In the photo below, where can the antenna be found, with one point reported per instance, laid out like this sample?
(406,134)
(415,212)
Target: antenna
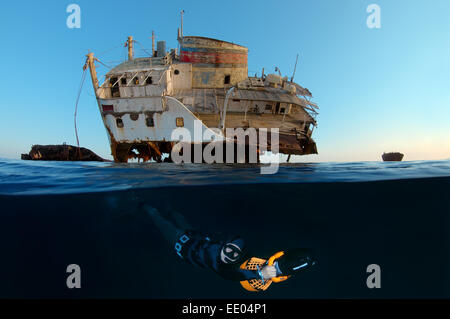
(153,43)
(295,68)
(182,12)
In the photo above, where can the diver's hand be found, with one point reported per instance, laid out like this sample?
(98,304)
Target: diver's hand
(268,272)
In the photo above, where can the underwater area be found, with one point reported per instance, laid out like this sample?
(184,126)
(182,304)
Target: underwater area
(350,215)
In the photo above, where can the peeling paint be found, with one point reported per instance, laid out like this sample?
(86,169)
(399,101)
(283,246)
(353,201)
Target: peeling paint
(143,100)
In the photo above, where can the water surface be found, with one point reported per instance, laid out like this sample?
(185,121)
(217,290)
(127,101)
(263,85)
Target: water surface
(350,214)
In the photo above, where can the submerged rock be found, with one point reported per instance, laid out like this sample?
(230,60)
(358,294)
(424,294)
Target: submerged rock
(61,153)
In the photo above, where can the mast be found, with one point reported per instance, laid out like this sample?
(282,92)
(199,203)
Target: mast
(90,63)
(295,68)
(153,43)
(182,12)
(130,48)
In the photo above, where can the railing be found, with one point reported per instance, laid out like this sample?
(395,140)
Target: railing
(136,91)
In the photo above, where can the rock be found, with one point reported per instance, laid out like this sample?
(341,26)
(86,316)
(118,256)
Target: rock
(392,157)
(61,153)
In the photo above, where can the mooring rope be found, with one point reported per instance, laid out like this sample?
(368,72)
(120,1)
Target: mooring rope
(83,77)
(106,66)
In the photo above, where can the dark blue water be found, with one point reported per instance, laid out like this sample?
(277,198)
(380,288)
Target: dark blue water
(351,215)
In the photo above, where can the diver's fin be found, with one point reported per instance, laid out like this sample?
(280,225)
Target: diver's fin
(255,263)
(180,220)
(254,284)
(168,229)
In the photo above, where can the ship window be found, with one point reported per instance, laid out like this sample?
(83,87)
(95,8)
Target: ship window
(115,91)
(134,116)
(149,121)
(227,79)
(282,110)
(268,107)
(149,80)
(176,71)
(119,122)
(123,81)
(115,87)
(180,122)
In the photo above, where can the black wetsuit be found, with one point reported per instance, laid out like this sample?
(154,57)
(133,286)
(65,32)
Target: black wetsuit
(222,254)
(211,252)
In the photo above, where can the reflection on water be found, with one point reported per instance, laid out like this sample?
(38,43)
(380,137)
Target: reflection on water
(35,177)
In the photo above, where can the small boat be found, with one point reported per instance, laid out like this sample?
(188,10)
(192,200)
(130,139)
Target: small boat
(392,157)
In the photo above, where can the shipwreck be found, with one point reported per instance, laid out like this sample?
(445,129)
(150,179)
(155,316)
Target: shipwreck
(62,152)
(142,100)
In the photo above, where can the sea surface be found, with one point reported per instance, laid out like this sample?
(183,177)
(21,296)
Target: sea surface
(351,215)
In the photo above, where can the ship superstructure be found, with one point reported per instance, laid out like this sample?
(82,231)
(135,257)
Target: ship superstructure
(142,100)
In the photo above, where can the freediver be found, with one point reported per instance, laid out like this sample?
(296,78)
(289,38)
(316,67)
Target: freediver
(227,255)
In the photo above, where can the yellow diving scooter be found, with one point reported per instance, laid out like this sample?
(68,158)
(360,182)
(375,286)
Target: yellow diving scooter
(287,263)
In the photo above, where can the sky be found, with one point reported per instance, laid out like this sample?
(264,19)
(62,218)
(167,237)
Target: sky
(378,89)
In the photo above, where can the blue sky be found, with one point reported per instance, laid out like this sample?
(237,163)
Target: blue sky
(378,89)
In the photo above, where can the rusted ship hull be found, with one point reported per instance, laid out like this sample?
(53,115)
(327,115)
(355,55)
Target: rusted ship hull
(151,150)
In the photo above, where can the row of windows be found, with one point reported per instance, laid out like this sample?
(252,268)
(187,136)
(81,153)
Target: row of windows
(123,81)
(278,109)
(179,121)
(149,80)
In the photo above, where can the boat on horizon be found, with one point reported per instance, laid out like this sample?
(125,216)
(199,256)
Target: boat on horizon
(392,157)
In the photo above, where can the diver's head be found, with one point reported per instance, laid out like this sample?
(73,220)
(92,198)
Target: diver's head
(232,251)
